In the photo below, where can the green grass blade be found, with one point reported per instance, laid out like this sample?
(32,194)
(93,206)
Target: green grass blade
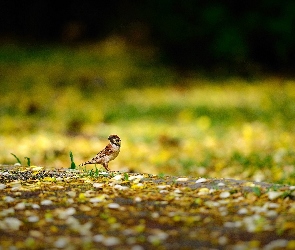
(73,165)
(28,161)
(18,160)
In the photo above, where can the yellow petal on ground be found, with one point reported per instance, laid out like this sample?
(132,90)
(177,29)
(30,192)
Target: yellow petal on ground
(137,186)
(50,179)
(249,184)
(203,191)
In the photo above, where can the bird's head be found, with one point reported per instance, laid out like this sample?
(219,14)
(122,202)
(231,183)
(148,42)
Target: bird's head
(114,139)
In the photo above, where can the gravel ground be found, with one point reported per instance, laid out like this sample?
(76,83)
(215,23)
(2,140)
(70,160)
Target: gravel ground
(43,208)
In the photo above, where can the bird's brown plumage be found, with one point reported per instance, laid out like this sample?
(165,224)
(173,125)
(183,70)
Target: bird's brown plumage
(109,153)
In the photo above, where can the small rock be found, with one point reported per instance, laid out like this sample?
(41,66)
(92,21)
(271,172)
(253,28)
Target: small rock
(46,202)
(117,177)
(243,211)
(61,242)
(221,184)
(182,179)
(97,199)
(64,214)
(111,241)
(224,195)
(33,218)
(120,187)
(272,195)
(7,211)
(36,234)
(98,238)
(177,191)
(8,199)
(72,193)
(276,244)
(98,185)
(163,186)
(35,206)
(137,247)
(222,240)
(12,223)
(201,180)
(114,206)
(20,206)
(84,208)
(137,199)
(273,205)
(135,177)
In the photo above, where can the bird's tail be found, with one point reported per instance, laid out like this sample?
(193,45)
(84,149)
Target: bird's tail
(94,160)
(88,162)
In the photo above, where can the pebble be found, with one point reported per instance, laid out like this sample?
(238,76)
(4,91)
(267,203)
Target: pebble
(222,240)
(120,187)
(177,191)
(72,193)
(114,206)
(201,180)
(220,184)
(36,234)
(272,195)
(117,177)
(163,186)
(243,211)
(111,241)
(273,205)
(35,206)
(135,177)
(224,195)
(46,202)
(98,238)
(61,242)
(33,218)
(64,214)
(137,199)
(97,199)
(275,244)
(137,247)
(20,206)
(182,179)
(98,185)
(7,211)
(8,199)
(11,223)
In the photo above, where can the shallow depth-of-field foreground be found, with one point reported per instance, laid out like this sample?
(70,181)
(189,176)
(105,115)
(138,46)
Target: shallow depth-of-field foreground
(70,209)
(55,101)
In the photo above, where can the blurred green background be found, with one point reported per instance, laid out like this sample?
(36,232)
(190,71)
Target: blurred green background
(192,88)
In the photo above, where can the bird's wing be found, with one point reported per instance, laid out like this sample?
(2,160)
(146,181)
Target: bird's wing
(106,151)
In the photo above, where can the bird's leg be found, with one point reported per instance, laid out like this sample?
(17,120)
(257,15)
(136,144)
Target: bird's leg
(106,166)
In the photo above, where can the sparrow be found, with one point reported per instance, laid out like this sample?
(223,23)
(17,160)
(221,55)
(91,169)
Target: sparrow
(109,153)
